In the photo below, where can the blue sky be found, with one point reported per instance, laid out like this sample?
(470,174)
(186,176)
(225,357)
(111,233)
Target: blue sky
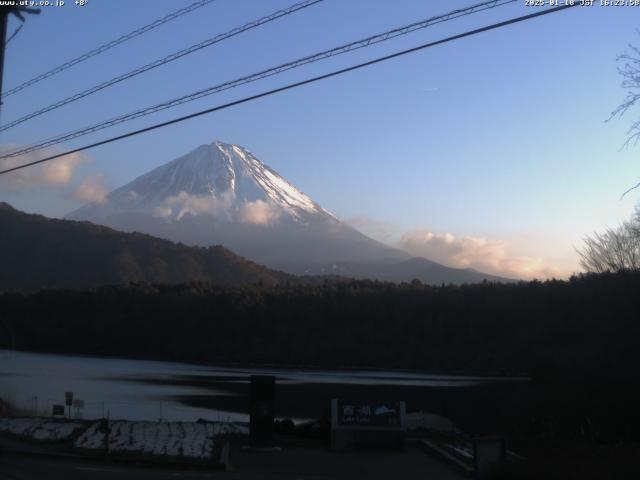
(493,145)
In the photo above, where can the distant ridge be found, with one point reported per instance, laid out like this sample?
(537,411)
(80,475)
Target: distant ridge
(39,252)
(416,268)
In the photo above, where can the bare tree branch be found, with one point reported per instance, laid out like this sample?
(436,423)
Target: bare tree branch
(614,250)
(629,70)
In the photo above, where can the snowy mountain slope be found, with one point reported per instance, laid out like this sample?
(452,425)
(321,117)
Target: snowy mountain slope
(215,175)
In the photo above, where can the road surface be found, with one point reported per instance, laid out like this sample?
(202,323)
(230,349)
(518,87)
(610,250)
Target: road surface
(290,464)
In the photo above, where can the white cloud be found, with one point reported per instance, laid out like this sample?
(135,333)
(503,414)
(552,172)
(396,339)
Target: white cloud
(58,172)
(177,206)
(259,212)
(132,195)
(91,189)
(487,255)
(162,212)
(186,204)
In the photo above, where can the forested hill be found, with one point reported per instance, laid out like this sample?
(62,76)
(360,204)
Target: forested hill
(39,252)
(588,325)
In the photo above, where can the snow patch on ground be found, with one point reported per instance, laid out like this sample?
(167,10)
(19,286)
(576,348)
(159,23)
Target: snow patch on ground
(464,452)
(40,428)
(175,439)
(430,421)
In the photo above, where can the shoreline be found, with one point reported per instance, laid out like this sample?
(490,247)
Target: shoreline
(471,374)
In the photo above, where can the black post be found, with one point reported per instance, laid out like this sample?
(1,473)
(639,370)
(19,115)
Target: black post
(4,18)
(262,410)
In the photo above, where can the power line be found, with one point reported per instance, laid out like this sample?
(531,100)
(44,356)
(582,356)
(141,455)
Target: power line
(298,84)
(162,61)
(366,42)
(109,45)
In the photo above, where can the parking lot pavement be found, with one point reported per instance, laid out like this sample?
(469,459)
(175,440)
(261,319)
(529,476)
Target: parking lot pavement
(320,463)
(290,463)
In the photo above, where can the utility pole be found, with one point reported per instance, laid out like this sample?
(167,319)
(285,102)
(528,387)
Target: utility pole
(4,20)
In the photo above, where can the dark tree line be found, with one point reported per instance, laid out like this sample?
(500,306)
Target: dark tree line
(518,327)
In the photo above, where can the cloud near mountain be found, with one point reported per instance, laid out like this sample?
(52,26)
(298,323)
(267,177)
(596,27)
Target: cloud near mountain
(488,255)
(60,176)
(177,206)
(56,173)
(92,188)
(259,212)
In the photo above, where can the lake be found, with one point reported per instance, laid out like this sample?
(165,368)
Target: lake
(152,390)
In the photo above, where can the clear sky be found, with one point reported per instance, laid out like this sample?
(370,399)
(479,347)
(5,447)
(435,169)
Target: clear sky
(491,151)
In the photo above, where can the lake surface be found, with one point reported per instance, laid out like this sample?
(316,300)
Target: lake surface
(150,390)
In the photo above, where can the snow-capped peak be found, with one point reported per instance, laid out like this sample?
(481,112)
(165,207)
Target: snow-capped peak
(220,179)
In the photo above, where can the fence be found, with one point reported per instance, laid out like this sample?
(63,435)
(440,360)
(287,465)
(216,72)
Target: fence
(21,404)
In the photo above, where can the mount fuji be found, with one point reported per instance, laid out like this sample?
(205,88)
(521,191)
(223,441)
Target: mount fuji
(221,194)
